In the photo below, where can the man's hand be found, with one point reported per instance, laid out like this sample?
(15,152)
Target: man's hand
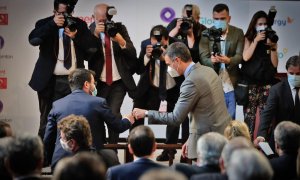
(223,59)
(184,150)
(70,33)
(59,19)
(100,27)
(149,50)
(129,117)
(120,40)
(258,140)
(214,59)
(138,113)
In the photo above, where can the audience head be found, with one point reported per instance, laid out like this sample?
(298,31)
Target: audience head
(163,32)
(237,128)
(258,20)
(141,141)
(25,156)
(5,129)
(84,165)
(62,6)
(195,11)
(249,164)
(287,136)
(162,174)
(232,145)
(100,13)
(221,16)
(83,79)
(209,148)
(75,133)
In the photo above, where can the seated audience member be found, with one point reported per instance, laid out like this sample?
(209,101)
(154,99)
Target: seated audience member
(4,144)
(162,174)
(232,145)
(237,128)
(75,137)
(209,149)
(287,136)
(5,129)
(83,166)
(81,101)
(249,164)
(25,157)
(142,145)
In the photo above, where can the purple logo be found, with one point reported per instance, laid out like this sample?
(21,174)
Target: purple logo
(1,42)
(167,14)
(1,106)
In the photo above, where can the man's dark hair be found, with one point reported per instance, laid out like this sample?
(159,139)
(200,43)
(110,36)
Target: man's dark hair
(78,77)
(25,155)
(141,140)
(3,129)
(178,49)
(70,3)
(293,61)
(163,30)
(220,7)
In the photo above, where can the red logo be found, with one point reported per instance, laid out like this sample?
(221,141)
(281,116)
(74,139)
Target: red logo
(3,19)
(3,83)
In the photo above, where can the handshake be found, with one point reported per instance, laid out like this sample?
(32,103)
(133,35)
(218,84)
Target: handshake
(135,115)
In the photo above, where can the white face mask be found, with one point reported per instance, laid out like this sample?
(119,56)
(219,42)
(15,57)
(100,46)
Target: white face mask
(65,145)
(261,28)
(173,73)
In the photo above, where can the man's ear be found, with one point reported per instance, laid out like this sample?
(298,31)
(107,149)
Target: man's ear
(130,149)
(229,18)
(154,147)
(222,165)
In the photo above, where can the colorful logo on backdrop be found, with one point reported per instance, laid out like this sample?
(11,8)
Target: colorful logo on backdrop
(1,42)
(1,106)
(167,14)
(206,21)
(282,53)
(3,83)
(3,19)
(283,22)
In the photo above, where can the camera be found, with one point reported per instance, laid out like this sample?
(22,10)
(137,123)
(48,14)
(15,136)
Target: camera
(270,33)
(214,34)
(187,21)
(111,26)
(157,51)
(69,20)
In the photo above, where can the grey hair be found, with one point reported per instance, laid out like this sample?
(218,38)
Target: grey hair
(287,136)
(178,49)
(209,148)
(249,164)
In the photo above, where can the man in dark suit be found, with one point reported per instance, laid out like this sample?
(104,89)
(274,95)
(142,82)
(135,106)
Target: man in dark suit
(209,149)
(62,49)
(157,85)
(114,62)
(226,61)
(81,101)
(287,138)
(141,143)
(282,103)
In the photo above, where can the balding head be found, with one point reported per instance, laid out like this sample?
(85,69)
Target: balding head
(100,12)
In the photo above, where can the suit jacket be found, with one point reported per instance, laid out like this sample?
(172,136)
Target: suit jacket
(202,97)
(210,176)
(131,171)
(144,82)
(125,58)
(234,50)
(279,107)
(284,167)
(190,170)
(45,35)
(94,109)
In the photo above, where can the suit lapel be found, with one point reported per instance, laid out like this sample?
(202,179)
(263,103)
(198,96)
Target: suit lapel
(288,92)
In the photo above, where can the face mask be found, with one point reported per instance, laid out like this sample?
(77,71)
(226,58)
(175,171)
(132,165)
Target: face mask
(220,24)
(294,80)
(94,92)
(172,72)
(65,146)
(261,28)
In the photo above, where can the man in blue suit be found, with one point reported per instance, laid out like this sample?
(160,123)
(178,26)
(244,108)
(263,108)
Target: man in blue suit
(82,101)
(142,145)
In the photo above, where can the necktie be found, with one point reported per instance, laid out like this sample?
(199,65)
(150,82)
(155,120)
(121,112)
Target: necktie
(297,106)
(108,60)
(67,51)
(162,80)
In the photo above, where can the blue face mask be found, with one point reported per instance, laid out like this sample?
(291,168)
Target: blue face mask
(94,92)
(294,80)
(220,24)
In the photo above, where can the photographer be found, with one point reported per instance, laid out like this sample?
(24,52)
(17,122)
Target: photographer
(63,42)
(188,29)
(158,88)
(230,43)
(114,62)
(259,66)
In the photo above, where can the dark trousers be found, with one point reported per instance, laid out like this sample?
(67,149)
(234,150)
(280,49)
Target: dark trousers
(58,87)
(151,101)
(114,95)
